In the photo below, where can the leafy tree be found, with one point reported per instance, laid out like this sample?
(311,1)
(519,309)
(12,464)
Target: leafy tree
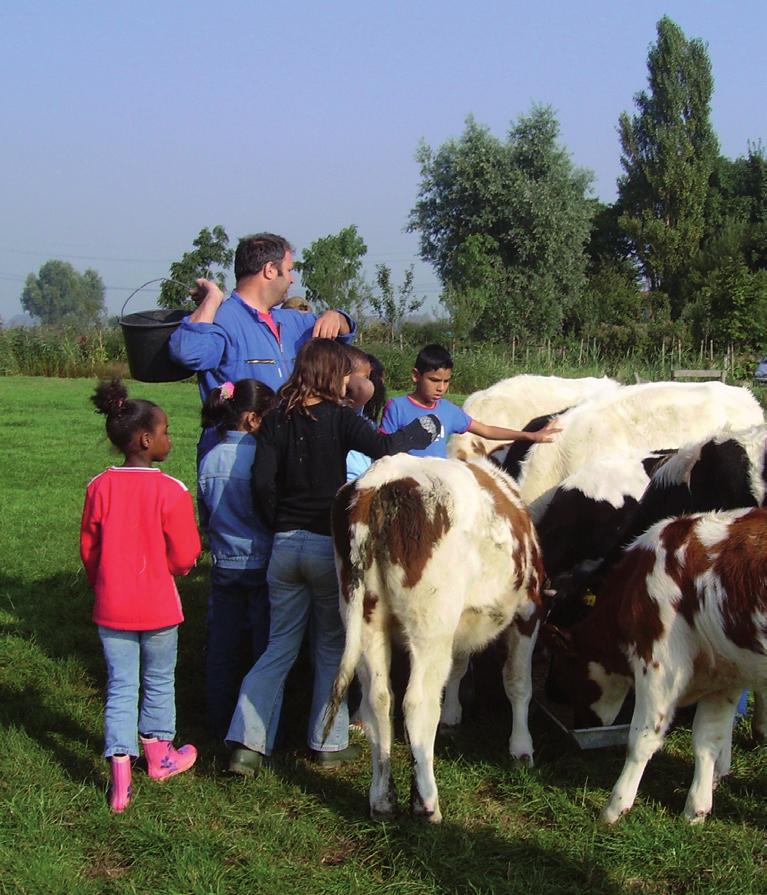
(525,195)
(669,151)
(731,306)
(331,271)
(477,280)
(392,304)
(210,251)
(612,296)
(60,295)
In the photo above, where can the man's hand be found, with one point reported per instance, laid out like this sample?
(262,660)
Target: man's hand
(329,325)
(209,299)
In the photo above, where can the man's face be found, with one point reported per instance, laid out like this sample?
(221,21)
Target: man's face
(283,279)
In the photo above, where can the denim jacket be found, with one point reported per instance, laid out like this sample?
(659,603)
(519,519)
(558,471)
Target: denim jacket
(238,537)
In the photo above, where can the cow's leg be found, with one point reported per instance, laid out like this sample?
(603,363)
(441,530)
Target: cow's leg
(518,681)
(451,713)
(759,719)
(429,667)
(376,711)
(652,715)
(712,745)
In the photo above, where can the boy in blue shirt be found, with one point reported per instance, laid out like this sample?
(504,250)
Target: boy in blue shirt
(432,374)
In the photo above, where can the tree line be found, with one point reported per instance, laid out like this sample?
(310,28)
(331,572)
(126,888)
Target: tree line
(522,248)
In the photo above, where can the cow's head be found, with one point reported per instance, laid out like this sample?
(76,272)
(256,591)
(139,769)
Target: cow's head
(580,678)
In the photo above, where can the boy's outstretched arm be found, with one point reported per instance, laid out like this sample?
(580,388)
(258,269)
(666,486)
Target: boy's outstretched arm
(498,433)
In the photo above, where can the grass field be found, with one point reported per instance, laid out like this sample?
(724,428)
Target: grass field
(295,828)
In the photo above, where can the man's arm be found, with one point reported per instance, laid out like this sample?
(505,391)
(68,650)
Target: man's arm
(331,324)
(210,299)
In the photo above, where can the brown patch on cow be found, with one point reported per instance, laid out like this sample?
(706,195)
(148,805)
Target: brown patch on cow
(339,526)
(656,665)
(625,615)
(686,558)
(741,565)
(403,529)
(504,506)
(360,511)
(369,603)
(522,532)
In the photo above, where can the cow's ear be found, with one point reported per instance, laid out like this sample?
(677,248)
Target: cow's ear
(557,639)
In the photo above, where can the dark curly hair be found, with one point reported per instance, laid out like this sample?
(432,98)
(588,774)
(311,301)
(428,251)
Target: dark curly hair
(125,416)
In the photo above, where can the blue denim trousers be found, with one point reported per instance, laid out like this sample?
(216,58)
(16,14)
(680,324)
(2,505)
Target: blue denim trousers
(146,659)
(303,591)
(238,615)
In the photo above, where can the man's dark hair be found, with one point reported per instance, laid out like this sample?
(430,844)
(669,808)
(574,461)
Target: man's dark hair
(254,252)
(433,357)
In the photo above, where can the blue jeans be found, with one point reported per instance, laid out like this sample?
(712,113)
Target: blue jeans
(148,659)
(303,588)
(238,609)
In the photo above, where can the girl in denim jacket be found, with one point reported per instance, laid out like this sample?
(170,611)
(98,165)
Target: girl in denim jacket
(240,545)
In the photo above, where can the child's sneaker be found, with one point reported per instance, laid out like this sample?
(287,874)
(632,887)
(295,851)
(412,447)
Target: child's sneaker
(163,761)
(119,792)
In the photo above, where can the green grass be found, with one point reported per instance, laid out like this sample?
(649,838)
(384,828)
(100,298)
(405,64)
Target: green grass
(296,828)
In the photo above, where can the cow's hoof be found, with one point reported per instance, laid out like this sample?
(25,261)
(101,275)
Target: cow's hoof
(698,818)
(429,817)
(610,815)
(382,814)
(522,761)
(447,731)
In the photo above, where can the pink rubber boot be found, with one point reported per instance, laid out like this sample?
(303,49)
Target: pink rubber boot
(163,761)
(119,786)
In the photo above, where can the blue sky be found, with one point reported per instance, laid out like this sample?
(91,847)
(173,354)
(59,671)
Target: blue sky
(127,130)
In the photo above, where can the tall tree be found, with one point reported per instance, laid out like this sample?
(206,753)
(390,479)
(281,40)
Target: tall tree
(59,295)
(525,196)
(210,258)
(668,154)
(331,271)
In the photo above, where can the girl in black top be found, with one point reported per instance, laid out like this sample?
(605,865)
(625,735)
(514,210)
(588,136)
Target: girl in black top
(300,464)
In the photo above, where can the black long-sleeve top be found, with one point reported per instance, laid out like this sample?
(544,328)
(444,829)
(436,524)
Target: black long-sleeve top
(301,460)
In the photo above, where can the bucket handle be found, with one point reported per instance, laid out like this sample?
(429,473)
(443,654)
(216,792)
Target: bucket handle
(149,283)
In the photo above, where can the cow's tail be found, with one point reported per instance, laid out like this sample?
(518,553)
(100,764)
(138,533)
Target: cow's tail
(353,646)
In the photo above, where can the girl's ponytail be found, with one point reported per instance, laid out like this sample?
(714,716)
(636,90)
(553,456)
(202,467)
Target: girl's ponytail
(225,405)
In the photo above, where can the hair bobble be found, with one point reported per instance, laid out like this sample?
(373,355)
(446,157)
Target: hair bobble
(226,390)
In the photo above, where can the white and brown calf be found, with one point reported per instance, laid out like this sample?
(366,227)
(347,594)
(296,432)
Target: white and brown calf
(682,618)
(441,554)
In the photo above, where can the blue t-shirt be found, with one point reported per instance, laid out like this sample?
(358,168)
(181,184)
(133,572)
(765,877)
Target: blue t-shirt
(400,411)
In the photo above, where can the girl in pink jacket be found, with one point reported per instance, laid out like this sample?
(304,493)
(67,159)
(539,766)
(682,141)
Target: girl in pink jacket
(138,531)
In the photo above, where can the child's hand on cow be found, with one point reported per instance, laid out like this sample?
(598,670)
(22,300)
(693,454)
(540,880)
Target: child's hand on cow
(546,433)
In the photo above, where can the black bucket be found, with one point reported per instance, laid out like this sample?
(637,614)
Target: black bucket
(146,335)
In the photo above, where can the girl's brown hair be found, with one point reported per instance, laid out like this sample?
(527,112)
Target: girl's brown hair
(319,371)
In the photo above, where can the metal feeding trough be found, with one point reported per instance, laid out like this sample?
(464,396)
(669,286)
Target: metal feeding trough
(585,737)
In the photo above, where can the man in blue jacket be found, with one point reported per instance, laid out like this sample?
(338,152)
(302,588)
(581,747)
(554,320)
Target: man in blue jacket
(245,336)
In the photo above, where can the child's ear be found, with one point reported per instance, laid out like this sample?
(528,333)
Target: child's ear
(145,439)
(252,421)
(415,375)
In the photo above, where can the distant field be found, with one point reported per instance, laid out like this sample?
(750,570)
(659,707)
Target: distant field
(296,828)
